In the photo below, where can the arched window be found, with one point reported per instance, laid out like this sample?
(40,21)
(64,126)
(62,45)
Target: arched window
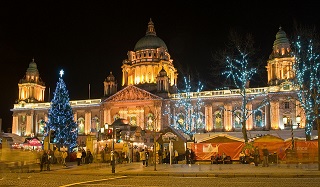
(181,120)
(200,121)
(258,119)
(81,122)
(41,127)
(133,120)
(95,124)
(237,118)
(217,120)
(150,120)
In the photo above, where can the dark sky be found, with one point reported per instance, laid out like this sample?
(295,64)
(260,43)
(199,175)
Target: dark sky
(88,39)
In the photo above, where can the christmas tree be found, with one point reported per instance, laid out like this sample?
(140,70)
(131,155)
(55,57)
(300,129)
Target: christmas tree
(61,128)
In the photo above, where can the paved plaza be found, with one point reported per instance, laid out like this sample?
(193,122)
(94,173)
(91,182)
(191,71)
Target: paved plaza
(197,169)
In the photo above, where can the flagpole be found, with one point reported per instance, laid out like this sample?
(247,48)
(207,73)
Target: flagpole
(89,91)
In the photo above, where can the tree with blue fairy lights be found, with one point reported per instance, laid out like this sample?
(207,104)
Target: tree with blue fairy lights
(61,128)
(187,115)
(306,50)
(239,69)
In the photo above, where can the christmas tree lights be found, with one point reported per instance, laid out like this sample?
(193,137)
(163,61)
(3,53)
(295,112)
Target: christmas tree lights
(60,118)
(237,68)
(187,114)
(307,80)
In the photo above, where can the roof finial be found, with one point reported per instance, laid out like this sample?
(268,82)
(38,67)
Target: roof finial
(151,30)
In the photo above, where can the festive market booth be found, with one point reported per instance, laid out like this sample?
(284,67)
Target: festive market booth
(218,144)
(32,144)
(275,145)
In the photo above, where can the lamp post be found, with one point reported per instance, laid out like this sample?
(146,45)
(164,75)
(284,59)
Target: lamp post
(117,123)
(155,149)
(113,166)
(288,122)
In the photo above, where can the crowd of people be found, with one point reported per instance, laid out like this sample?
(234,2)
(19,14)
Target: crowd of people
(146,157)
(49,157)
(84,157)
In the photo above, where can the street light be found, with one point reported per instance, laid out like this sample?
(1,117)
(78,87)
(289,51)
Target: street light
(116,123)
(288,122)
(298,120)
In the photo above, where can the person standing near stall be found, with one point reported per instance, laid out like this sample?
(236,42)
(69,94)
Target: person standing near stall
(79,155)
(64,155)
(265,153)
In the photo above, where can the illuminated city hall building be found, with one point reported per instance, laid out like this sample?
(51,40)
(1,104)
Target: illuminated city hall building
(149,88)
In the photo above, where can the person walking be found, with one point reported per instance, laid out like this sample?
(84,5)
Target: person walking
(160,156)
(188,156)
(49,159)
(164,155)
(57,156)
(83,156)
(89,157)
(147,157)
(43,160)
(265,153)
(79,155)
(143,156)
(64,155)
(176,155)
(256,156)
(223,157)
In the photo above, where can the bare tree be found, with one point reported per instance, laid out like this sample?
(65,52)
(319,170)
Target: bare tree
(307,69)
(239,70)
(306,49)
(188,107)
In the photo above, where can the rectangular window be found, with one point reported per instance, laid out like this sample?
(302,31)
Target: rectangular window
(286,105)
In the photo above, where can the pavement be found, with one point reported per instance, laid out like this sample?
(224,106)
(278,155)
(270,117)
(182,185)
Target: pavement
(306,170)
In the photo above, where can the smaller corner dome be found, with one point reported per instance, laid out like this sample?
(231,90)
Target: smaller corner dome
(150,40)
(281,37)
(163,72)
(111,77)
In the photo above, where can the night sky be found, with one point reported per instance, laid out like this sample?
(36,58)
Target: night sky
(89,39)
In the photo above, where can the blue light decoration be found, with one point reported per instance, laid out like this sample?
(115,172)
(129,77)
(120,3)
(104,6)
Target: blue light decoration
(60,118)
(307,79)
(240,72)
(187,115)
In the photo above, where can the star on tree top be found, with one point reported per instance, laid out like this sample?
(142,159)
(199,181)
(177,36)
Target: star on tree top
(61,72)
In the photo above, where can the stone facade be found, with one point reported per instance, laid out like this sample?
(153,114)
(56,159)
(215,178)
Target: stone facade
(149,90)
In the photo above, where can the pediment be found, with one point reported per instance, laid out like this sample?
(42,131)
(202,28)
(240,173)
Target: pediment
(132,93)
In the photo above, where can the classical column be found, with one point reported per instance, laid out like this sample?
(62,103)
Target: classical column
(174,115)
(107,116)
(249,122)
(36,125)
(15,128)
(208,117)
(158,118)
(29,123)
(87,124)
(75,117)
(227,115)
(141,117)
(267,117)
(276,123)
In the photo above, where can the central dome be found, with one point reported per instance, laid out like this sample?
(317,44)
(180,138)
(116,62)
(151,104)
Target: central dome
(150,40)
